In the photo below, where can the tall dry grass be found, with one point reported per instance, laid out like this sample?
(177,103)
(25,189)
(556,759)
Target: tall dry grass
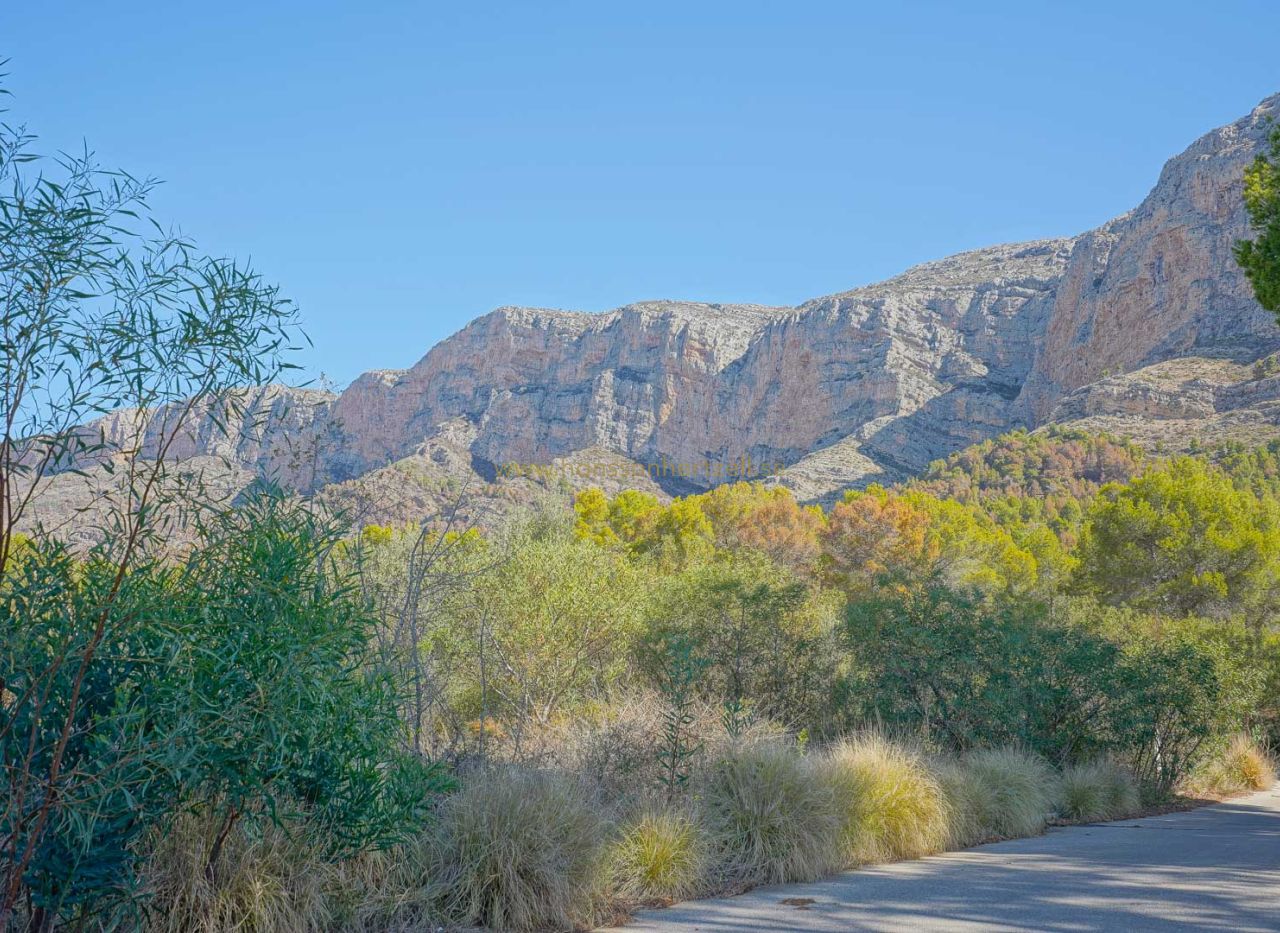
(999,793)
(963,793)
(1242,765)
(770,815)
(1097,790)
(266,879)
(891,806)
(519,849)
(273,879)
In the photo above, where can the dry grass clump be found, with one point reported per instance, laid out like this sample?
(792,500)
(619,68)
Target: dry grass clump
(271,879)
(1097,790)
(383,892)
(618,745)
(518,849)
(660,855)
(890,805)
(771,816)
(1003,793)
(962,790)
(1242,766)
(265,880)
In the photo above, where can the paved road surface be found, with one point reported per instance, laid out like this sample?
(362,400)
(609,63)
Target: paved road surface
(1216,868)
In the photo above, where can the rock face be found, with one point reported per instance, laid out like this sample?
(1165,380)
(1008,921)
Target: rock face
(868,385)
(890,375)
(1178,404)
(1161,281)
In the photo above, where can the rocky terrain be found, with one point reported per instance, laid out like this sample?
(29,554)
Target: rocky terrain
(1143,327)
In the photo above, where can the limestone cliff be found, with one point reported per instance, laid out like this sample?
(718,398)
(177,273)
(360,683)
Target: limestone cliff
(870,384)
(1160,282)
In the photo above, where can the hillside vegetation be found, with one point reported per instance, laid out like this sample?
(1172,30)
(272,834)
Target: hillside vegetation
(628,693)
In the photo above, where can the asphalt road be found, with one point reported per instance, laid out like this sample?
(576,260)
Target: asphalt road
(1216,868)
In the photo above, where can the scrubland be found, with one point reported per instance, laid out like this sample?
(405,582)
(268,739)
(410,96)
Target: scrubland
(262,715)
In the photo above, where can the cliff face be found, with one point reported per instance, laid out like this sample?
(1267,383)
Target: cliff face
(275,430)
(871,384)
(540,384)
(1161,281)
(944,346)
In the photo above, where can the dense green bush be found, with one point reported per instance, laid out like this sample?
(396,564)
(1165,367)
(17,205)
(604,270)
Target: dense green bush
(124,762)
(237,685)
(1070,684)
(971,671)
(304,724)
(764,639)
(1184,690)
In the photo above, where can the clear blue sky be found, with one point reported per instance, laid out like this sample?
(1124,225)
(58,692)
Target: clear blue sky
(400,168)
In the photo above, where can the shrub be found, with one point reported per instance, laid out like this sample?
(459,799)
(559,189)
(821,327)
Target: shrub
(560,613)
(661,854)
(1098,790)
(237,684)
(1184,689)
(1241,766)
(1012,794)
(120,784)
(302,721)
(103,309)
(764,641)
(890,805)
(771,817)
(976,672)
(680,670)
(519,850)
(617,746)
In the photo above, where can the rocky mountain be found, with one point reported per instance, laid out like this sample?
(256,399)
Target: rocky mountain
(1144,326)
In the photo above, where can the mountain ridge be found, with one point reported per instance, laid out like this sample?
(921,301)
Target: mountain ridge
(869,384)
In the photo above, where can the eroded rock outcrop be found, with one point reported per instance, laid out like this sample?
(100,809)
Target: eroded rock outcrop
(1160,282)
(868,385)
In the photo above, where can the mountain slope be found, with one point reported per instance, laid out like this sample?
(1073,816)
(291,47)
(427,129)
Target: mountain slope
(1140,323)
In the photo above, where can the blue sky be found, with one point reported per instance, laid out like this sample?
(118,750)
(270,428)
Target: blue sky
(400,168)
